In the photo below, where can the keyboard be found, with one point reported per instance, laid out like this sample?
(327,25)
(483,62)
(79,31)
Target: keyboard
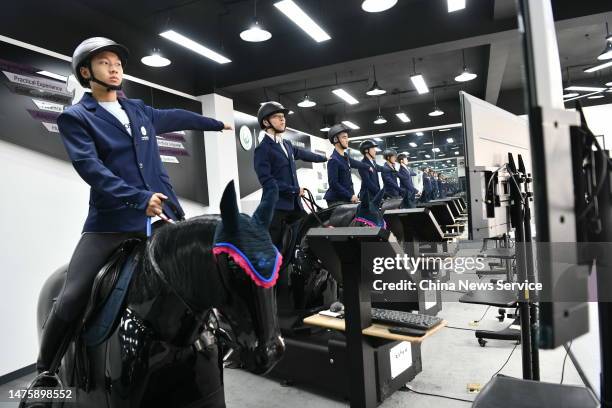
(404,319)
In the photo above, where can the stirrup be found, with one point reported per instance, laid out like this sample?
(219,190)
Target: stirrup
(44,374)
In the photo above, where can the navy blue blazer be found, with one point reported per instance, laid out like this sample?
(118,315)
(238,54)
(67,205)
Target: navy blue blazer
(369,179)
(405,177)
(272,164)
(427,188)
(123,171)
(339,178)
(435,187)
(390,182)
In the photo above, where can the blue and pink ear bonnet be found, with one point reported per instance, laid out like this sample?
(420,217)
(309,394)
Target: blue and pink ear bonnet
(368,211)
(246,239)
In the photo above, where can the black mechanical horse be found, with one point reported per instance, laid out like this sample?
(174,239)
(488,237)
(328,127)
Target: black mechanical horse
(162,348)
(306,286)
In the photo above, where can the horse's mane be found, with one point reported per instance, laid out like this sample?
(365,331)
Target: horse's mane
(183,252)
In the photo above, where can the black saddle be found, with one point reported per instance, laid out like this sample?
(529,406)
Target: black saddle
(342,215)
(391,204)
(106,280)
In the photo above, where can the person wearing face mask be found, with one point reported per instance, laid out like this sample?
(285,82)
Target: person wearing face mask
(339,168)
(275,162)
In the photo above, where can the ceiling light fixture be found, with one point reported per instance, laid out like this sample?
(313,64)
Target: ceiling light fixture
(375,90)
(194,46)
(585,88)
(255,33)
(306,102)
(606,54)
(437,111)
(401,115)
(155,59)
(419,83)
(380,119)
(595,96)
(412,144)
(570,95)
(419,133)
(457,153)
(348,98)
(302,20)
(455,5)
(450,140)
(350,124)
(376,6)
(418,80)
(466,75)
(598,67)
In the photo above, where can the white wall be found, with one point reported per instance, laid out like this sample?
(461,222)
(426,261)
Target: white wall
(44,204)
(43,207)
(599,120)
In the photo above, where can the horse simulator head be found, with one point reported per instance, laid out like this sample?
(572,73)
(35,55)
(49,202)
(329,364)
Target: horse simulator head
(249,268)
(368,212)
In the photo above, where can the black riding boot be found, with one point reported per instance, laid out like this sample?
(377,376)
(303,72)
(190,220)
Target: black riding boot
(54,340)
(55,335)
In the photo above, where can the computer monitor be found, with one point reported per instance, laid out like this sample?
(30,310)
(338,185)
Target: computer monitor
(490,134)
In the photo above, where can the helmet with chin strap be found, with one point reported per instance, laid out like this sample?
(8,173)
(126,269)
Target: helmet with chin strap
(335,130)
(86,50)
(389,153)
(367,144)
(268,109)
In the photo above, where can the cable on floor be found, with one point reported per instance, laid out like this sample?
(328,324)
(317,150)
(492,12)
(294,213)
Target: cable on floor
(406,388)
(508,359)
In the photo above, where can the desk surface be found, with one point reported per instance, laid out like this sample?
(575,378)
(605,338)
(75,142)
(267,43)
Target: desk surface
(375,330)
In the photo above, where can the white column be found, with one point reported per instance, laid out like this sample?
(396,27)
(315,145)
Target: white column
(221,162)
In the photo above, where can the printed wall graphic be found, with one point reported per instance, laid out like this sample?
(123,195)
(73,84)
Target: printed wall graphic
(31,102)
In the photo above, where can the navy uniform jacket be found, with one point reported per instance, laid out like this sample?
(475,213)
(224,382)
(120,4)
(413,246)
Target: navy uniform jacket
(443,188)
(405,177)
(369,179)
(390,182)
(123,171)
(271,164)
(426,187)
(435,184)
(339,177)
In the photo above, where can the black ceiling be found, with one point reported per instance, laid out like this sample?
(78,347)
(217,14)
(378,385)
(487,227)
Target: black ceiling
(420,29)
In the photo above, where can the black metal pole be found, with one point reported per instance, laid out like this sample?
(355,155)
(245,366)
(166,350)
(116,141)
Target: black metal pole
(518,222)
(533,304)
(531,276)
